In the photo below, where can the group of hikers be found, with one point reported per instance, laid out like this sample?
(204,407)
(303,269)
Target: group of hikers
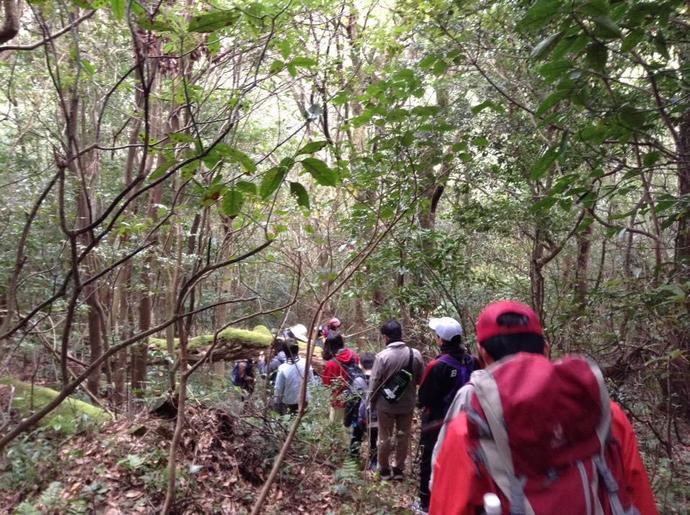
(507,431)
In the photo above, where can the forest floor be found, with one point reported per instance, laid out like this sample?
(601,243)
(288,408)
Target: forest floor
(226,452)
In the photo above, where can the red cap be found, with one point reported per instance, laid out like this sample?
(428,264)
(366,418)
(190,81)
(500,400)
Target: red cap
(487,323)
(334,323)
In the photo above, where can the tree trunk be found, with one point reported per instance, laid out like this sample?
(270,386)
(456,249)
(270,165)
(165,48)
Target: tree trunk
(140,350)
(680,369)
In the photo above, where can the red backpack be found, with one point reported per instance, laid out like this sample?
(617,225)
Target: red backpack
(542,431)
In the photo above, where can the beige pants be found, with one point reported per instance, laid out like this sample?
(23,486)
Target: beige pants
(394,434)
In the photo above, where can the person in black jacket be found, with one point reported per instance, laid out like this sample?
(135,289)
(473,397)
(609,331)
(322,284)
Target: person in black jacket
(441,380)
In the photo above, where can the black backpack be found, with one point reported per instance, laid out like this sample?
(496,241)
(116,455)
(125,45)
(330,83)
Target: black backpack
(356,388)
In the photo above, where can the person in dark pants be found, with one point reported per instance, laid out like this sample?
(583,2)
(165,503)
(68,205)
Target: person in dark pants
(364,420)
(441,380)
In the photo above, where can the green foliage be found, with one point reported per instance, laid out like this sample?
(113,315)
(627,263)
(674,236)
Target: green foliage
(213,21)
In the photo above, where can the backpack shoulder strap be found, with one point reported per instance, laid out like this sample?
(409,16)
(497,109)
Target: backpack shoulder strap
(497,449)
(408,367)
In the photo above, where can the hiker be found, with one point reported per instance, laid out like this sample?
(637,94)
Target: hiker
(289,380)
(332,327)
(393,394)
(533,431)
(442,378)
(290,335)
(326,330)
(243,376)
(364,420)
(336,376)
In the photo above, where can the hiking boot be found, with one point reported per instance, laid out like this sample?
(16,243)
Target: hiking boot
(398,474)
(385,475)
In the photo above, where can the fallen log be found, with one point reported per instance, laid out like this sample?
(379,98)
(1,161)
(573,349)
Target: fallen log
(233,344)
(26,399)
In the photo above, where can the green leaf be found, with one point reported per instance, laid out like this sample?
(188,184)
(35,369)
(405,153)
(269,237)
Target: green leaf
(213,21)
(480,141)
(320,171)
(232,202)
(632,40)
(300,193)
(88,67)
(440,67)
(272,181)
(555,69)
(238,156)
(118,7)
(607,27)
(246,187)
(544,47)
(595,8)
(660,45)
(303,62)
(543,205)
(428,62)
(541,12)
(545,162)
(650,158)
(181,137)
(551,101)
(161,169)
(487,104)
(597,55)
(312,147)
(276,66)
(631,117)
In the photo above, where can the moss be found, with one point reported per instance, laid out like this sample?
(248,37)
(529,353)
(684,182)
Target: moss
(262,329)
(67,416)
(257,339)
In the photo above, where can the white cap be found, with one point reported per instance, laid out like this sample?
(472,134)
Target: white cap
(446,327)
(299,332)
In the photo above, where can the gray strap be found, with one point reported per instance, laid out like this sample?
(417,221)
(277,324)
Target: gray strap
(497,450)
(518,501)
(586,487)
(477,420)
(604,427)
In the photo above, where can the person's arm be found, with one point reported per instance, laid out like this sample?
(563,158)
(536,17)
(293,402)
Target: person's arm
(279,390)
(636,479)
(429,391)
(328,376)
(374,382)
(417,366)
(460,402)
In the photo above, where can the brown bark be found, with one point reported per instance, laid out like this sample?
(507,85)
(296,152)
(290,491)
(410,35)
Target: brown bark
(120,316)
(139,351)
(535,273)
(10,27)
(680,369)
(95,336)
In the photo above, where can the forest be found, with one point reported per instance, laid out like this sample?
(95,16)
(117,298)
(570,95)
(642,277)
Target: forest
(182,181)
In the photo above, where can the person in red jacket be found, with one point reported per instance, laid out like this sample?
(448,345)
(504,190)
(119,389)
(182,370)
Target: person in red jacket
(335,375)
(460,481)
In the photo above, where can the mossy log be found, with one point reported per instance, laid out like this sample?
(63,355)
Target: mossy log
(233,344)
(27,399)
